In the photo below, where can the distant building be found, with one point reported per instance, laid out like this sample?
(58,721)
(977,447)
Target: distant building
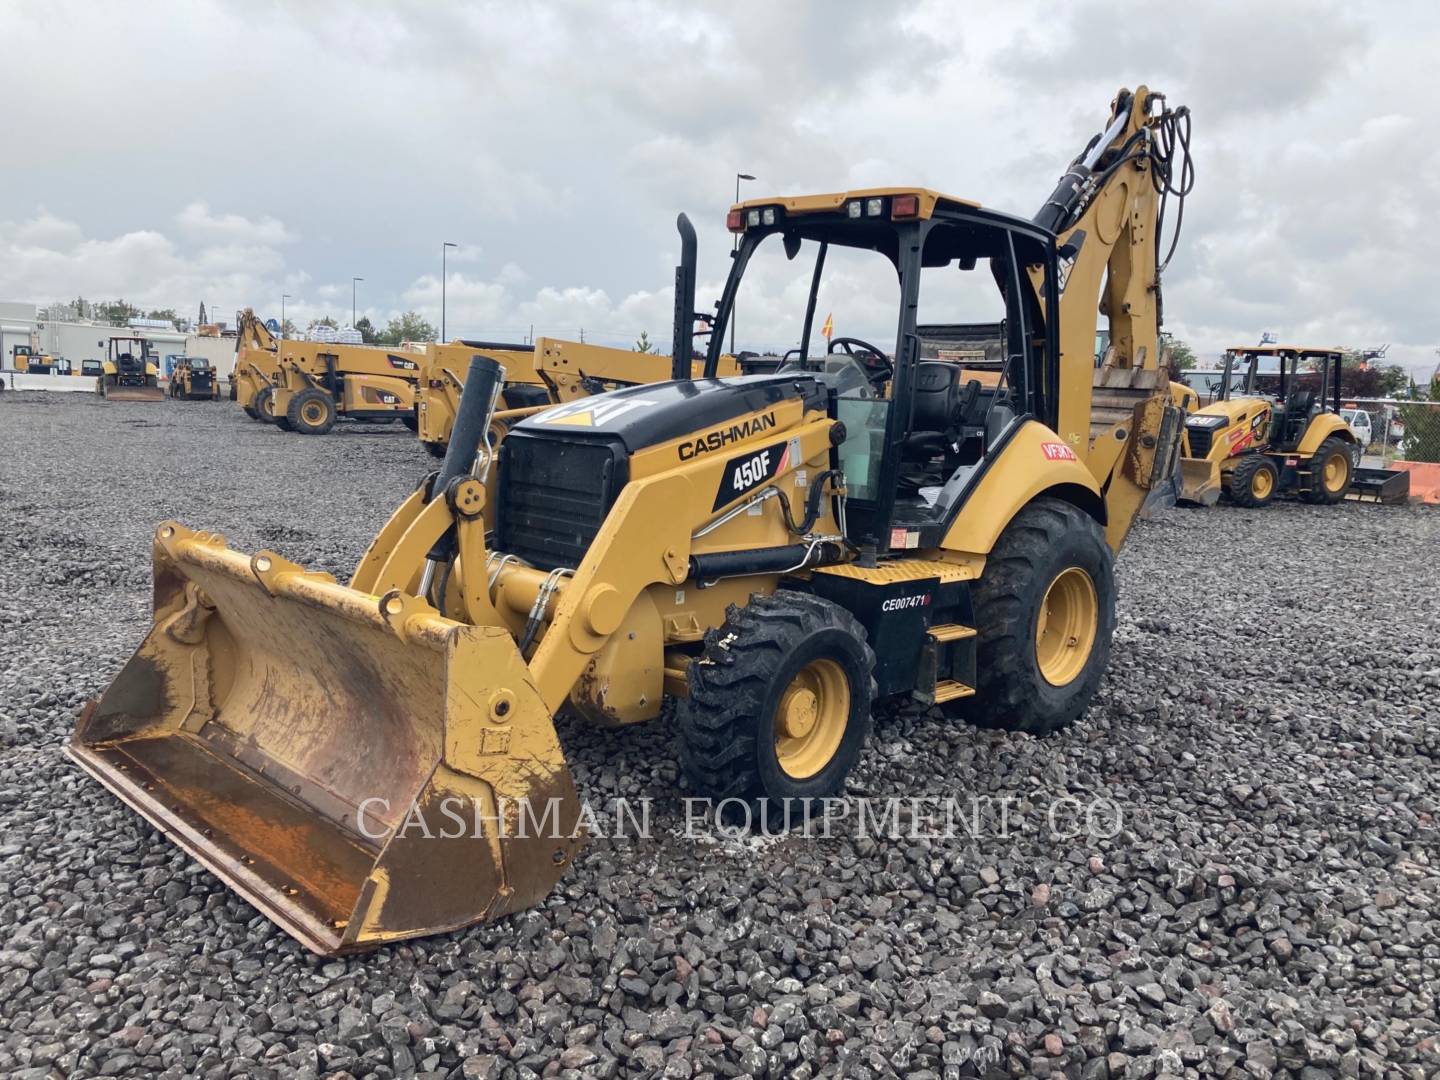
(26,324)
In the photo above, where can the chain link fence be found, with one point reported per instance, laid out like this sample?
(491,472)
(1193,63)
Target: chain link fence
(1394,429)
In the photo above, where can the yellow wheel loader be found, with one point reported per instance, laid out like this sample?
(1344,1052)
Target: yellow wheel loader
(1279,431)
(777,554)
(252,380)
(129,372)
(194,379)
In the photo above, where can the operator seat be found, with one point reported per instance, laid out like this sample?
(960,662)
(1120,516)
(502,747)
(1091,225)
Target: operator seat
(1302,407)
(940,408)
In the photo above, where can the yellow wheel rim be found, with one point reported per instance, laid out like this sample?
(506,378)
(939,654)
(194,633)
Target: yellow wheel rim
(810,722)
(1337,469)
(313,412)
(267,407)
(1067,626)
(1262,483)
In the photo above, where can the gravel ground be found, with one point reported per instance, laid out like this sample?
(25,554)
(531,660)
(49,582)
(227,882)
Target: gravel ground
(1269,905)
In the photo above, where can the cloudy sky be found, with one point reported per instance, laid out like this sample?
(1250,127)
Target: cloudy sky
(232,152)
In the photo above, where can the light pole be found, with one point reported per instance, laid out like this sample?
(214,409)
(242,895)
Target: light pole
(444,250)
(353,280)
(283,298)
(734,247)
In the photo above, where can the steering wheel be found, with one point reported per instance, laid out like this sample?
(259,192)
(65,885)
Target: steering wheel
(876,364)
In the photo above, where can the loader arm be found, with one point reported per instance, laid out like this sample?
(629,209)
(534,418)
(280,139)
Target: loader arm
(1107,212)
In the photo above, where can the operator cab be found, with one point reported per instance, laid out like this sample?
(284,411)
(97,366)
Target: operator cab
(949,349)
(1301,381)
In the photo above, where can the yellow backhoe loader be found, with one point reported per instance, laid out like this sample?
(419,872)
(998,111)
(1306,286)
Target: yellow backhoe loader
(1280,431)
(776,553)
(562,370)
(442,379)
(257,358)
(194,379)
(129,372)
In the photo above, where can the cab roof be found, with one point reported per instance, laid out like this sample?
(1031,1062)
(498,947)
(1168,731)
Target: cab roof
(832,201)
(1286,350)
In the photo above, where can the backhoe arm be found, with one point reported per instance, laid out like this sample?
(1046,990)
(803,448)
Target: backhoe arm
(1107,212)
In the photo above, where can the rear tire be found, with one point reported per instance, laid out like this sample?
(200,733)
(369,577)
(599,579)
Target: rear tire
(436,449)
(412,422)
(1045,613)
(1254,481)
(1331,471)
(283,423)
(311,412)
(265,404)
(779,704)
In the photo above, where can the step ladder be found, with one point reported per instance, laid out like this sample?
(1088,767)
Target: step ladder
(950,689)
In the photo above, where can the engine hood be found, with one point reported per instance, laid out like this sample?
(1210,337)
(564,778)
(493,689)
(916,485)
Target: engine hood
(641,416)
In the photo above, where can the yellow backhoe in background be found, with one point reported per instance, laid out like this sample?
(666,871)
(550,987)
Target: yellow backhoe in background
(562,371)
(775,553)
(1280,431)
(130,371)
(257,358)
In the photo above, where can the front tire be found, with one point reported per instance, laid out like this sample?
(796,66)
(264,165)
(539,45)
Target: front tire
(1331,471)
(1253,481)
(311,412)
(779,704)
(437,449)
(1045,614)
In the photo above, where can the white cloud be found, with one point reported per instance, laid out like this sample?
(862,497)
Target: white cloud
(366,135)
(197,220)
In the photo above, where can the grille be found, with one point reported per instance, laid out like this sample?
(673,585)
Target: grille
(1200,441)
(554,495)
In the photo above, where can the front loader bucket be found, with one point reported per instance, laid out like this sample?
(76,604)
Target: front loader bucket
(132,393)
(1199,482)
(359,768)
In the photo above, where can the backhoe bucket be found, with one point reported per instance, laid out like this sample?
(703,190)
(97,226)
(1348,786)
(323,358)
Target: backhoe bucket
(1199,482)
(358,767)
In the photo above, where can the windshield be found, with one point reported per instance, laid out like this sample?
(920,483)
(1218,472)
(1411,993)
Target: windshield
(857,297)
(199,365)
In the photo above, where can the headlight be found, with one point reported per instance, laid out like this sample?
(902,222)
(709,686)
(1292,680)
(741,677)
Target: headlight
(752,218)
(768,215)
(853,209)
(873,207)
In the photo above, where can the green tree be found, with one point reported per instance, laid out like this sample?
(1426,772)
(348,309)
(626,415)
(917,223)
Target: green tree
(289,330)
(116,312)
(1422,432)
(1362,377)
(326,321)
(1182,357)
(406,327)
(368,333)
(643,343)
(168,314)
